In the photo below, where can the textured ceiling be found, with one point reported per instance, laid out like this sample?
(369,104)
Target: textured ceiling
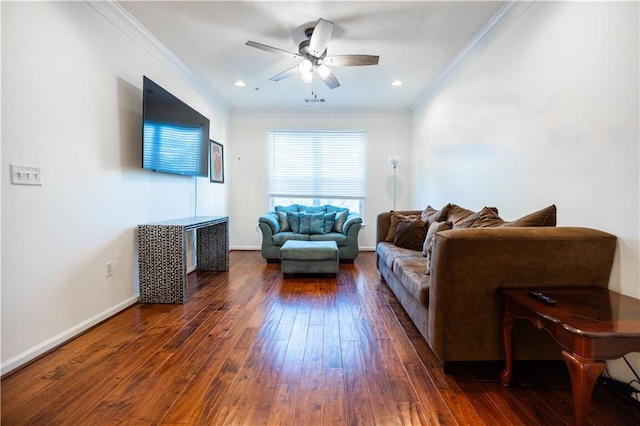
(415,41)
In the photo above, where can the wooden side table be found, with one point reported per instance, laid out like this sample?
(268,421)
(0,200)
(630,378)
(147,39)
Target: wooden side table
(591,324)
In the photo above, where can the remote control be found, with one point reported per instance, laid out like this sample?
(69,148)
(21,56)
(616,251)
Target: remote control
(541,297)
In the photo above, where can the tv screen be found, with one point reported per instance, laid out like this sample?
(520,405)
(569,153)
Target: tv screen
(175,137)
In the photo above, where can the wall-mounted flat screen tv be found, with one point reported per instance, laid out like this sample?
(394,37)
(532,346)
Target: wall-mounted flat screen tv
(175,137)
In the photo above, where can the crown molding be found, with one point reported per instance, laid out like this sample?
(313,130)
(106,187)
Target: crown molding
(508,13)
(320,114)
(121,19)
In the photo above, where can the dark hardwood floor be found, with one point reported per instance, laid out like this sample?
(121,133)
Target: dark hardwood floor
(253,348)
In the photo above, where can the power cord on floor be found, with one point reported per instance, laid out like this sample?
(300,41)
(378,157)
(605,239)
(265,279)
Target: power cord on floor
(636,394)
(632,388)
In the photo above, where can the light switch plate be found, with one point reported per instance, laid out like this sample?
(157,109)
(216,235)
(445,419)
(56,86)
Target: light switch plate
(25,175)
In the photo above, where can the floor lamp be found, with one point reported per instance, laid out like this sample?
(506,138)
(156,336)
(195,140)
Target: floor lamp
(394,160)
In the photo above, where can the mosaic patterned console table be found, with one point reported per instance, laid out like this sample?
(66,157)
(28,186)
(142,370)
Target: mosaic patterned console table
(162,255)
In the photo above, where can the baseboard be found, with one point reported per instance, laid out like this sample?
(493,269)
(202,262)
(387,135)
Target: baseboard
(245,248)
(52,343)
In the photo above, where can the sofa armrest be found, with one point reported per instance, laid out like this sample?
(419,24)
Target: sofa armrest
(469,265)
(352,219)
(270,219)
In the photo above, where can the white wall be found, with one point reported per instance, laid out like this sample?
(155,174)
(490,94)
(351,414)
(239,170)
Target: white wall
(547,113)
(72,104)
(387,134)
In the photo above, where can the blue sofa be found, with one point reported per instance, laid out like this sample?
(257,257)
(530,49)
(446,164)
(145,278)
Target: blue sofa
(323,223)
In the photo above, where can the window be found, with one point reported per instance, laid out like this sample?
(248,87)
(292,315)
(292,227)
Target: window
(317,168)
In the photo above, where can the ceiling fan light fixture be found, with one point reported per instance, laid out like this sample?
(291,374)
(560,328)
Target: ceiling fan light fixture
(324,71)
(306,70)
(307,77)
(240,83)
(397,83)
(305,67)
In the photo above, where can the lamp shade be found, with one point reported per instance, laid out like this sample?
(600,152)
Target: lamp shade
(394,160)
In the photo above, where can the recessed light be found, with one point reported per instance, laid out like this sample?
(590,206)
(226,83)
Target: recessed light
(240,83)
(397,83)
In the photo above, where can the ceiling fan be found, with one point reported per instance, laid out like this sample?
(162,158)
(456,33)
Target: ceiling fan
(313,52)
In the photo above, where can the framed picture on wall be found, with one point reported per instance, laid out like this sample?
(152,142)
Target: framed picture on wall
(216,164)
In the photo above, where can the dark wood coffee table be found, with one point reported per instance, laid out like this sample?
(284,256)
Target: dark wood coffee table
(591,324)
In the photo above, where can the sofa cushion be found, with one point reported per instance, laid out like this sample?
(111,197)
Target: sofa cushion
(389,253)
(329,221)
(333,218)
(428,215)
(281,237)
(410,234)
(281,212)
(393,227)
(338,237)
(431,232)
(443,213)
(457,215)
(410,271)
(409,266)
(428,242)
(485,218)
(311,223)
(294,221)
(283,221)
(312,209)
(341,218)
(543,217)
(294,208)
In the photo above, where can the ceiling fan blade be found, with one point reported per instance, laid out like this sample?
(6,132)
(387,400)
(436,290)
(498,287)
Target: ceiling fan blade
(272,49)
(284,74)
(351,60)
(331,81)
(320,37)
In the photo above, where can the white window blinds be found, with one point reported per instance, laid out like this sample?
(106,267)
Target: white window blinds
(321,164)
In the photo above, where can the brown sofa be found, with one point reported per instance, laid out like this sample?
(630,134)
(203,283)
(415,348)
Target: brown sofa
(457,308)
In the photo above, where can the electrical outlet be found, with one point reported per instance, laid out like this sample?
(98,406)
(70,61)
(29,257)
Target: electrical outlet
(108,268)
(25,175)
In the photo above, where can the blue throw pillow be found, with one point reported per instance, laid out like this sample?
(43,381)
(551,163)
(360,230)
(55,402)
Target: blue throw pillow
(294,221)
(312,223)
(341,218)
(329,220)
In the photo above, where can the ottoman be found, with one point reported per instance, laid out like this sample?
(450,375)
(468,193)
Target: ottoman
(309,257)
